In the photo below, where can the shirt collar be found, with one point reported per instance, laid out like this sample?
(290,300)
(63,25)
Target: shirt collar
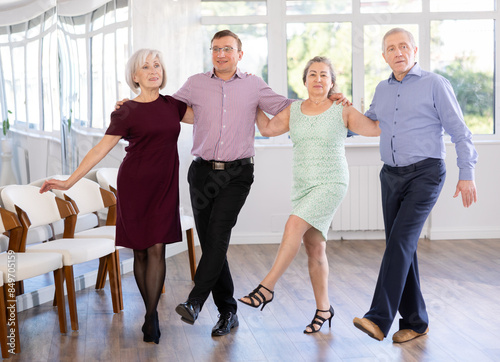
(238,73)
(415,70)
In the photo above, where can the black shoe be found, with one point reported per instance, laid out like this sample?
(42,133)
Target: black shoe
(188,311)
(318,321)
(151,329)
(257,298)
(226,322)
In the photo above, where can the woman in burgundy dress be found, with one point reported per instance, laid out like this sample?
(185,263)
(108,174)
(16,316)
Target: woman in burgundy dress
(148,178)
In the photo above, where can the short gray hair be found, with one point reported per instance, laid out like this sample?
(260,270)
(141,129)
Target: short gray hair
(137,60)
(324,60)
(399,30)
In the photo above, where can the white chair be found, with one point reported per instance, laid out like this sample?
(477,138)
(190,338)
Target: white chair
(107,179)
(35,209)
(88,197)
(53,231)
(18,266)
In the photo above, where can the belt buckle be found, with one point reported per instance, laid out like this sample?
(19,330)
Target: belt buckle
(218,165)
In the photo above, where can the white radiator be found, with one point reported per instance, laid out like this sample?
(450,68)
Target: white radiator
(361,209)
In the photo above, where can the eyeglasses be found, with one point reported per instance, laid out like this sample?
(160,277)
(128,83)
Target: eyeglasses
(216,50)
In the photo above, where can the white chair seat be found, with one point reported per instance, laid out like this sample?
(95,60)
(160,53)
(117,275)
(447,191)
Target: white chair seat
(76,251)
(104,232)
(29,265)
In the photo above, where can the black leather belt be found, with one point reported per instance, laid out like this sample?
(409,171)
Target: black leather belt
(413,167)
(220,165)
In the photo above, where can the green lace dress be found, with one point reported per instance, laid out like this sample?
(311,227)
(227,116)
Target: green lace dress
(320,173)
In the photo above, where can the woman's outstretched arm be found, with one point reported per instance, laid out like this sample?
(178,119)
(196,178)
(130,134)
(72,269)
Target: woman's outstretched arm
(91,159)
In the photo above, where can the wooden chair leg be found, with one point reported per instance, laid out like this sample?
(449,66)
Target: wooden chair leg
(20,287)
(119,273)
(191,252)
(70,287)
(61,305)
(3,324)
(113,282)
(101,273)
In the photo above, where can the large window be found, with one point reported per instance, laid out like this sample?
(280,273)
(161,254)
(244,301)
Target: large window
(92,49)
(457,39)
(255,47)
(27,75)
(307,40)
(464,52)
(71,67)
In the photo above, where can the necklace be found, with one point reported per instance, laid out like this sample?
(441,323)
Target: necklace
(318,102)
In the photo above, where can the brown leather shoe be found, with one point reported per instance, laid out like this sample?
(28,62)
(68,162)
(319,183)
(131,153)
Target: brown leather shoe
(405,335)
(369,328)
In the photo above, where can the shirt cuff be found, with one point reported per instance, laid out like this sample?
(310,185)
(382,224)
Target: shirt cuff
(466,174)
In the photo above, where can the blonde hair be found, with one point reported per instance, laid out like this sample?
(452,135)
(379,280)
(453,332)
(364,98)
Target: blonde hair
(137,60)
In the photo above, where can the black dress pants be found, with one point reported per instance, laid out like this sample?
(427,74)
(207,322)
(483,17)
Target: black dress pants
(408,195)
(217,197)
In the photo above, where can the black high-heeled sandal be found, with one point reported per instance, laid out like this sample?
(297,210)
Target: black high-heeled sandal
(257,298)
(318,320)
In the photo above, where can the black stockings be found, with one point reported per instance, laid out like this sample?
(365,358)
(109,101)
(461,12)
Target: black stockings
(149,272)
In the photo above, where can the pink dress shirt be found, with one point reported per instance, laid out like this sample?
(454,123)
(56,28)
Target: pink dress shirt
(225,111)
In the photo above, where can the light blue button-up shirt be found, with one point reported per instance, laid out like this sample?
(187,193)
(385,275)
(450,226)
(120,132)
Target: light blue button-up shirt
(414,114)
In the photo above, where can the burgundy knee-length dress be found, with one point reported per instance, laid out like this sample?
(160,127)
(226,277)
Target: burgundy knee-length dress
(148,178)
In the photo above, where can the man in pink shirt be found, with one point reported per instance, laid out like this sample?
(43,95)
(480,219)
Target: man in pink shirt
(225,102)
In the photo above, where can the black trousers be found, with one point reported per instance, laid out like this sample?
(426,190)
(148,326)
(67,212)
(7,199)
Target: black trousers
(408,196)
(217,197)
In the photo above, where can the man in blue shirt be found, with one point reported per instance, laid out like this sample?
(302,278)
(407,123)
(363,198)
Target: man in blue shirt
(414,108)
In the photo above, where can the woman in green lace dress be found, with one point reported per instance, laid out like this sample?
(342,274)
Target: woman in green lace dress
(318,128)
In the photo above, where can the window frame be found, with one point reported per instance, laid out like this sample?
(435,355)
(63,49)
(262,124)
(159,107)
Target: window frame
(277,20)
(87,36)
(22,41)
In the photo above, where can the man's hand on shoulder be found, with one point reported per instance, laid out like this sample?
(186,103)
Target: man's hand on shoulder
(468,190)
(120,103)
(340,98)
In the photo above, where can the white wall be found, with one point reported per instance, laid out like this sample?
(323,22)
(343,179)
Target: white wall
(267,208)
(450,220)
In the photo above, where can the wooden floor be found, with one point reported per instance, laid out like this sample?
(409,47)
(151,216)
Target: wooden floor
(460,280)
